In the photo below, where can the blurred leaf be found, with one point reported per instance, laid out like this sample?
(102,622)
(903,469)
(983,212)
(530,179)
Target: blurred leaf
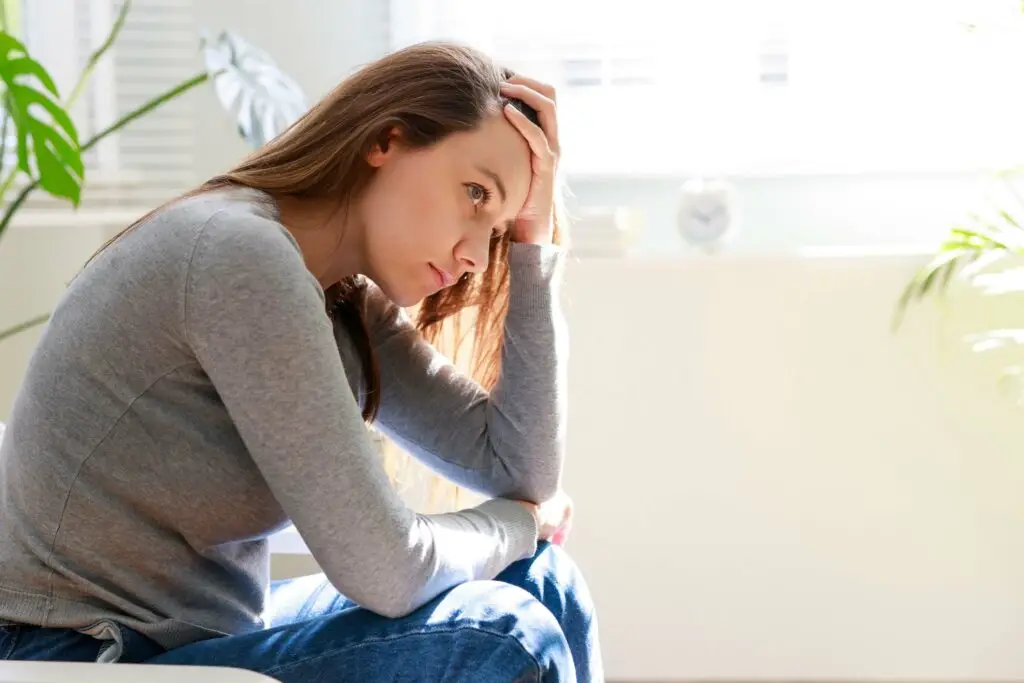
(1006,281)
(967,251)
(48,152)
(982,260)
(933,278)
(995,339)
(264,100)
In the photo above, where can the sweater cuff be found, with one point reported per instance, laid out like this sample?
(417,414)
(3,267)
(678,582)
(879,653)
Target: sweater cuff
(519,523)
(541,262)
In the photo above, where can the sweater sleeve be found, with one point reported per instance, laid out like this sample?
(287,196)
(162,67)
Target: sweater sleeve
(255,319)
(509,442)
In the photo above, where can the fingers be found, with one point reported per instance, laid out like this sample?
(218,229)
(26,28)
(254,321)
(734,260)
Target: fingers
(562,535)
(544,89)
(538,142)
(542,103)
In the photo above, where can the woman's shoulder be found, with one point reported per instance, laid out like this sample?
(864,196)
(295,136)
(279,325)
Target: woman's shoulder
(234,227)
(239,212)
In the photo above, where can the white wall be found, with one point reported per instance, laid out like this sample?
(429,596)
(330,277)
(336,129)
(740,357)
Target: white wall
(316,42)
(772,486)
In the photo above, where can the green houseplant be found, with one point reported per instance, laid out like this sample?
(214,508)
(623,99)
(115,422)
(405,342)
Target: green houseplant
(263,100)
(984,256)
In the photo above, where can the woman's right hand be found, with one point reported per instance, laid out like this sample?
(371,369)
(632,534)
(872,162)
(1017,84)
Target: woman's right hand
(554,518)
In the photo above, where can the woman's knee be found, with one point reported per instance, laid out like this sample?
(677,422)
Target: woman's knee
(481,631)
(553,577)
(492,612)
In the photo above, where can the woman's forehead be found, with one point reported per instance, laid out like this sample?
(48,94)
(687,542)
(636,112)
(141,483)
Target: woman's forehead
(497,145)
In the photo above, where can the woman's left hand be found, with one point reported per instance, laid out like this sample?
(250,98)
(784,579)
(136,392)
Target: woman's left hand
(535,224)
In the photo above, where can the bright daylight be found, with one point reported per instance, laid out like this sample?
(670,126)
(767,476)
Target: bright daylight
(467,341)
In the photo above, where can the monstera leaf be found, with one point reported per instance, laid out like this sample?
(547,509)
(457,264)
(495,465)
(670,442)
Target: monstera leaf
(48,148)
(263,99)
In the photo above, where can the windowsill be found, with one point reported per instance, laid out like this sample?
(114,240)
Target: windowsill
(581,171)
(694,257)
(41,218)
(108,200)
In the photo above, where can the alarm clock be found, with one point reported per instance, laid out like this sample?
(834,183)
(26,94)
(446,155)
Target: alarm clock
(706,213)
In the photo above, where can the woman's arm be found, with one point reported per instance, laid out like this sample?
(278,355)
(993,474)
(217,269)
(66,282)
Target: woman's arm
(507,443)
(255,320)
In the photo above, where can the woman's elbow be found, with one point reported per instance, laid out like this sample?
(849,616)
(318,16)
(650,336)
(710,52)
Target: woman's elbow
(535,480)
(534,488)
(540,491)
(393,604)
(394,608)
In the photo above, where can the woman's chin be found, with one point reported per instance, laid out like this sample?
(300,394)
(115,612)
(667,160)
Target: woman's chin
(406,291)
(404,297)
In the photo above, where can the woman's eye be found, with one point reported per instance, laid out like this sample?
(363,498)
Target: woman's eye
(478,194)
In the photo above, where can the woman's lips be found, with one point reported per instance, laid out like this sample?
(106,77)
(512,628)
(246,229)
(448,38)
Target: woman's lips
(444,278)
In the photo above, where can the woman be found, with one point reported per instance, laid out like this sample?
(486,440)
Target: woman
(207,380)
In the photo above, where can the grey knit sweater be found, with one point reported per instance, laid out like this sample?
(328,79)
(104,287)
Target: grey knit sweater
(188,399)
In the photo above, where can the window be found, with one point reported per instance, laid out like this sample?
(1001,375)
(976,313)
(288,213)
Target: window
(152,158)
(759,86)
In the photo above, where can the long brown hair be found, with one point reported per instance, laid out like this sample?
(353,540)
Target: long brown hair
(427,91)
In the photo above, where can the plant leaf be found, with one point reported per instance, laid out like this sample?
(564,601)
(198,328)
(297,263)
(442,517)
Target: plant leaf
(1003,282)
(995,339)
(980,262)
(264,100)
(50,142)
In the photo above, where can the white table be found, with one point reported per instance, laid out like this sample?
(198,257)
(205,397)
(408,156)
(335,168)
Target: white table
(62,672)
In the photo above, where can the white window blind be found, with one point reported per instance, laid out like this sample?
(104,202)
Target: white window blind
(759,86)
(157,50)
(153,158)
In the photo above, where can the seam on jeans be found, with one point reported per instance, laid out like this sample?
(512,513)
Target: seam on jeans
(273,671)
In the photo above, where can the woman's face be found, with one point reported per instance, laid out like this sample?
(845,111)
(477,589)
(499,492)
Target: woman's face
(428,215)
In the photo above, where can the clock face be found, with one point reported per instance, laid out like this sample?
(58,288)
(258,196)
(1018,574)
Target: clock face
(705,212)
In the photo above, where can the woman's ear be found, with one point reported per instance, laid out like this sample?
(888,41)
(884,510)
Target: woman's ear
(386,146)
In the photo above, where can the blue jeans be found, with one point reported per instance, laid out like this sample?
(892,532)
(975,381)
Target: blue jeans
(535,623)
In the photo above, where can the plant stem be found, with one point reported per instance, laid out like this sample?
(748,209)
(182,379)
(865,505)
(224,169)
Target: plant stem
(5,185)
(21,327)
(94,58)
(142,110)
(177,90)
